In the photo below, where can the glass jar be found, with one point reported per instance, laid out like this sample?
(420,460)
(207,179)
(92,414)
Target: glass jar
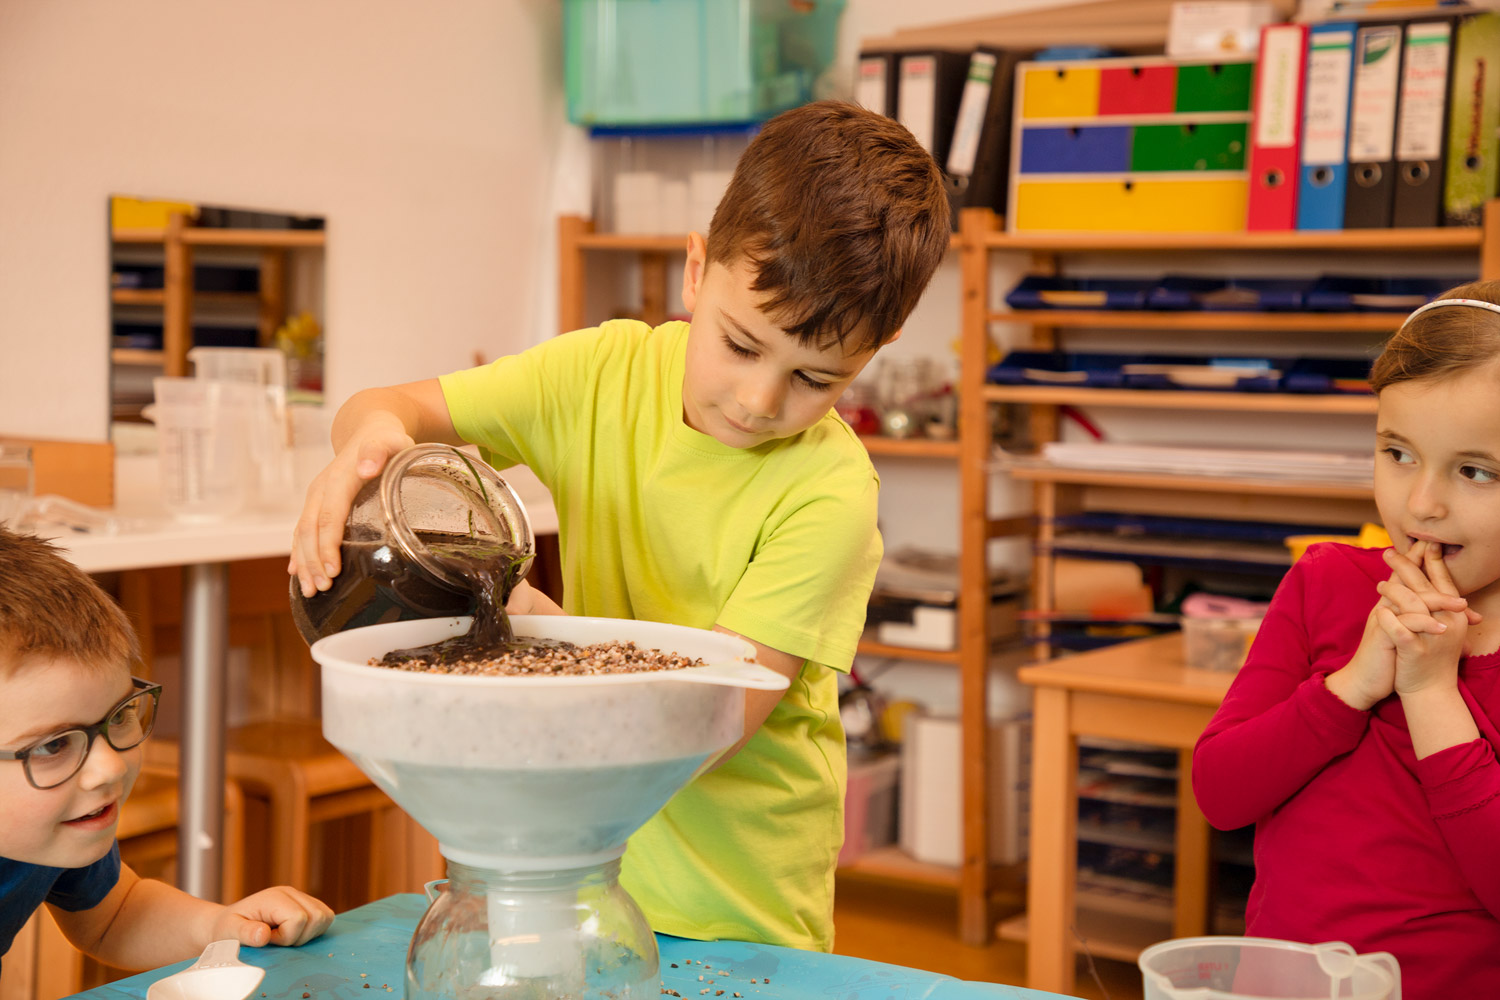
(397,556)
(571,934)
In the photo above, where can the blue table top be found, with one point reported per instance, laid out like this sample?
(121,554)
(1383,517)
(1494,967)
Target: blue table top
(373,940)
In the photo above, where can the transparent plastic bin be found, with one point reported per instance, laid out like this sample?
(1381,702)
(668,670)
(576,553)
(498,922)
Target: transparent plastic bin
(694,62)
(1248,968)
(1218,643)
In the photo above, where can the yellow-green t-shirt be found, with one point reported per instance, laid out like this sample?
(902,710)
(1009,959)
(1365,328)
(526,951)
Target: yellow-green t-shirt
(659,522)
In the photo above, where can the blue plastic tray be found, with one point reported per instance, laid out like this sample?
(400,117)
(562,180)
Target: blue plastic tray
(1343,293)
(1043,292)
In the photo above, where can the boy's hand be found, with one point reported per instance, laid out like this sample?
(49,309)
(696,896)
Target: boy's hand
(527,600)
(320,529)
(282,915)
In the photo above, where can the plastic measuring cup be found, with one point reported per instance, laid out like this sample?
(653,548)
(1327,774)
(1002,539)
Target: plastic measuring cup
(1248,968)
(268,434)
(203,445)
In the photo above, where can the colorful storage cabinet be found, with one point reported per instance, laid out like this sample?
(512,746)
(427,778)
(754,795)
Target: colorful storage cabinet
(1130,145)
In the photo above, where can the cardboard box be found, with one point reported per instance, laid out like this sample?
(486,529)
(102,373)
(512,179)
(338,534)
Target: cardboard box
(79,470)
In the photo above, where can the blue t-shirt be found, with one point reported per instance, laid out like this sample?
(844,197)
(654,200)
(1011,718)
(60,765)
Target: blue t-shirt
(24,887)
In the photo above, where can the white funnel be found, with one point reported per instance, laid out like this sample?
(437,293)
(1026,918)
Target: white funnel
(535,773)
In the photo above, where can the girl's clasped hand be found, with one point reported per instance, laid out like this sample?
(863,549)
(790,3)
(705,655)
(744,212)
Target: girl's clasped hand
(1423,617)
(1415,633)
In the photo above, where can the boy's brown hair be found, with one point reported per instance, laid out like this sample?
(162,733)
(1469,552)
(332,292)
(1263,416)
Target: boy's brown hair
(841,214)
(51,608)
(1442,342)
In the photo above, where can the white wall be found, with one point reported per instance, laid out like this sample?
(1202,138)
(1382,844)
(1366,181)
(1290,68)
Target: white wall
(424,133)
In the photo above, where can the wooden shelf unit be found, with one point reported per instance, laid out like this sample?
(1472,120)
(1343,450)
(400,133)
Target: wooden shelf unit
(1182,399)
(869,647)
(910,447)
(1059,490)
(1393,240)
(176,298)
(1194,320)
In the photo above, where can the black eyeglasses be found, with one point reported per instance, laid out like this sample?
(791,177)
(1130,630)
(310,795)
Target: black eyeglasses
(57,758)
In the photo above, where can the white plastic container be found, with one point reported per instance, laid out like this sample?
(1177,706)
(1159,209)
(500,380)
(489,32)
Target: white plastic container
(931,814)
(535,773)
(1246,968)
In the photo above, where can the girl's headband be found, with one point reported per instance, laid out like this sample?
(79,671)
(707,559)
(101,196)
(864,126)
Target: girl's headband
(1474,303)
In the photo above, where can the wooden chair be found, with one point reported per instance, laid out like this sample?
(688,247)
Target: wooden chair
(43,965)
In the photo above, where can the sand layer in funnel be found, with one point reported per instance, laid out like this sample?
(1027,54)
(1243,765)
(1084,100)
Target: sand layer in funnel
(543,657)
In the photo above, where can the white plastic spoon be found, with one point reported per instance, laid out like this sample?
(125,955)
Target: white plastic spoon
(217,975)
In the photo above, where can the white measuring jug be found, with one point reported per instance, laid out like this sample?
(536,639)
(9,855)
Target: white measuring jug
(1248,968)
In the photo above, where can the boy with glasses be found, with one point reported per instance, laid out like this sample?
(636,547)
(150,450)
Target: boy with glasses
(72,721)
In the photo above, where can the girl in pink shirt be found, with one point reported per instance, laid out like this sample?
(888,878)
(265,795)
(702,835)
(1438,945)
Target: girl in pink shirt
(1360,735)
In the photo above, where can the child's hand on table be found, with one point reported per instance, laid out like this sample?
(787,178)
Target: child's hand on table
(281,915)
(320,529)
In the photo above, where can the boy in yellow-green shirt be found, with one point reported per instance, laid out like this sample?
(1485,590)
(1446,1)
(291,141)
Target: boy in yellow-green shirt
(701,478)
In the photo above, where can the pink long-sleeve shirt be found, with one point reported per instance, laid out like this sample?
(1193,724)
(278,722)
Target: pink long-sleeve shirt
(1356,840)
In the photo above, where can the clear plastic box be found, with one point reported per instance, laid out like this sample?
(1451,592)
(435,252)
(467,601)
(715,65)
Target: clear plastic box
(641,63)
(1218,643)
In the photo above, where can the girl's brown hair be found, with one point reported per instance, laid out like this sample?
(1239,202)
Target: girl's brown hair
(1442,342)
(51,608)
(842,216)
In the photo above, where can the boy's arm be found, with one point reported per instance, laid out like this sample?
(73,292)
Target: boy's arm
(144,924)
(371,427)
(760,704)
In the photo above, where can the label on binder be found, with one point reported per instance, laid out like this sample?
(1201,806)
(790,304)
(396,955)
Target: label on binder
(971,111)
(1280,72)
(1376,87)
(870,90)
(1326,124)
(1424,91)
(916,97)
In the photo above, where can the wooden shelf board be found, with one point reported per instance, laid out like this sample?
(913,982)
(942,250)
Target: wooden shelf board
(652,242)
(910,447)
(202,237)
(158,296)
(1448,238)
(138,296)
(284,238)
(1123,319)
(1183,399)
(640,242)
(137,356)
(891,864)
(1197,484)
(869,647)
(1108,935)
(138,235)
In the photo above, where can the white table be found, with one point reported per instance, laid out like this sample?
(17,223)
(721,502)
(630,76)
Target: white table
(152,538)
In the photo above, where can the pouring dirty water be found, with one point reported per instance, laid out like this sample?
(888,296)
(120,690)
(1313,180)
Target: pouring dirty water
(531,780)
